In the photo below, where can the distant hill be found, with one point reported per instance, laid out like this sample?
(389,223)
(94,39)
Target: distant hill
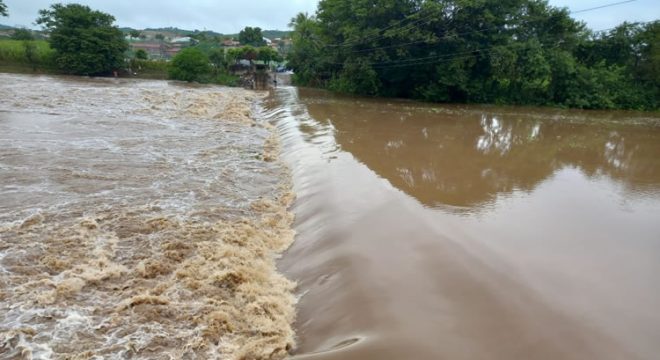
(271,34)
(178,31)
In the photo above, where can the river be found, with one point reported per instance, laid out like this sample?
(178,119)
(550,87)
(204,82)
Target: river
(471,232)
(149,220)
(140,220)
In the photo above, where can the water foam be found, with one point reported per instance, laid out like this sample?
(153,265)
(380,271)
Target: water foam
(161,245)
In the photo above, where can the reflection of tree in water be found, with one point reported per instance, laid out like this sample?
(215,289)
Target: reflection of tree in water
(495,137)
(465,158)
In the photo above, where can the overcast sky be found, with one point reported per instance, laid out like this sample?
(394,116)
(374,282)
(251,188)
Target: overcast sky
(231,16)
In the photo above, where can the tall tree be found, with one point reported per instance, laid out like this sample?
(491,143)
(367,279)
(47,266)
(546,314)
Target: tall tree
(268,54)
(3,9)
(306,54)
(509,51)
(251,36)
(218,59)
(85,41)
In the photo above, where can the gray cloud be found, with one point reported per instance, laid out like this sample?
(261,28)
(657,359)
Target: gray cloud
(640,10)
(231,16)
(221,16)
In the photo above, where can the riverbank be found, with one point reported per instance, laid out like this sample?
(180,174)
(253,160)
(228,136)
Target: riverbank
(140,219)
(14,59)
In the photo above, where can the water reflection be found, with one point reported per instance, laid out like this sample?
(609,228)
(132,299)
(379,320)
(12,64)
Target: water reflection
(465,157)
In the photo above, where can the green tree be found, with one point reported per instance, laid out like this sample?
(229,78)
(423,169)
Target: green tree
(199,36)
(233,55)
(160,37)
(85,41)
(268,54)
(248,53)
(510,51)
(218,60)
(307,55)
(3,9)
(135,34)
(22,34)
(140,54)
(191,64)
(251,36)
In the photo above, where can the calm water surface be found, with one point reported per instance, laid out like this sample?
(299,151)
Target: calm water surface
(471,232)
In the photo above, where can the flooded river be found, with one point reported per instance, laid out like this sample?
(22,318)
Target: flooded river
(143,220)
(471,232)
(140,220)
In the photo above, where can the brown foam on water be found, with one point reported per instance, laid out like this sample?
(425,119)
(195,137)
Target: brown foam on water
(132,281)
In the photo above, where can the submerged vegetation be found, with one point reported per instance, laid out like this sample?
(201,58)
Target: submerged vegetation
(506,52)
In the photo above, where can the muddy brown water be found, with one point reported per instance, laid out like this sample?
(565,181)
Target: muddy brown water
(139,220)
(471,232)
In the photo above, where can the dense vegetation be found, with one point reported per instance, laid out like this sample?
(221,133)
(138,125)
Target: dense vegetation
(213,65)
(141,54)
(85,41)
(190,64)
(509,51)
(3,9)
(251,36)
(27,53)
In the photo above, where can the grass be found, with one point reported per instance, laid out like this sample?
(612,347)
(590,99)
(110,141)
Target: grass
(14,51)
(14,59)
(149,69)
(226,79)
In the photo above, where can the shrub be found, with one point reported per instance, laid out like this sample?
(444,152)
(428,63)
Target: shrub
(190,65)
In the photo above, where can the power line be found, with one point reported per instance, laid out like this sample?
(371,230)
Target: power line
(450,57)
(407,27)
(602,6)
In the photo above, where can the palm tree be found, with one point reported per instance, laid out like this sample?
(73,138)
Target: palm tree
(299,19)
(3,9)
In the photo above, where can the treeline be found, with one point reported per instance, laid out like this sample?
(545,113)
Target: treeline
(83,41)
(504,52)
(215,65)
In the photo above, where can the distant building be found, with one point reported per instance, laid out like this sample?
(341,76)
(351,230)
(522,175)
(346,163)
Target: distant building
(159,50)
(155,50)
(172,50)
(182,40)
(231,43)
